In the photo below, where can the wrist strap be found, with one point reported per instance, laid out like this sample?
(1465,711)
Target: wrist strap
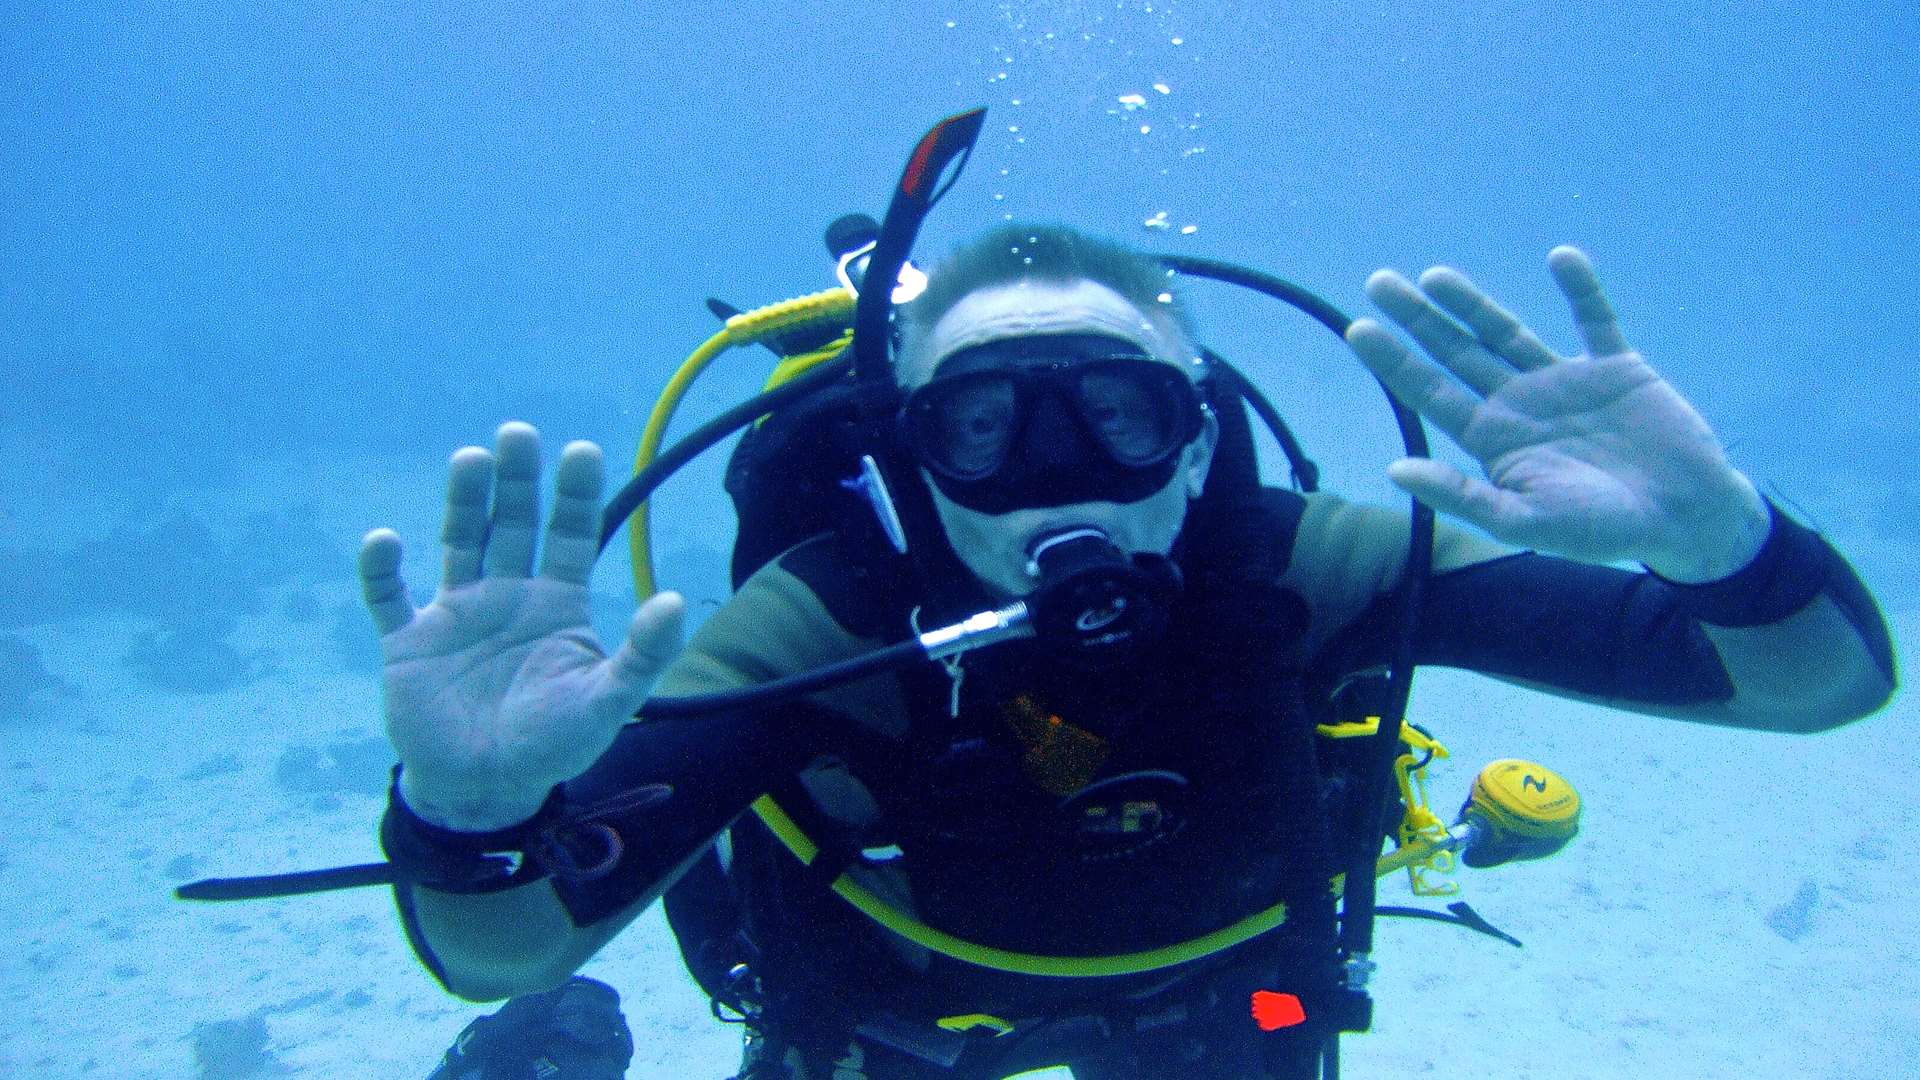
(453,861)
(1793,566)
(573,843)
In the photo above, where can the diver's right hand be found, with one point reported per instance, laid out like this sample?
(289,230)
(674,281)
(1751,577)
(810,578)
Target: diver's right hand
(498,689)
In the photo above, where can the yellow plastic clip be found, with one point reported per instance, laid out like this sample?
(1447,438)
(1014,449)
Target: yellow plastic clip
(1353,729)
(1421,825)
(970,1021)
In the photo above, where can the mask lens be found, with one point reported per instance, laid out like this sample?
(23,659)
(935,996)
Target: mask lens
(1132,408)
(968,425)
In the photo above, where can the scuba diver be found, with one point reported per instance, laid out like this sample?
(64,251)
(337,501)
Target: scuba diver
(1112,795)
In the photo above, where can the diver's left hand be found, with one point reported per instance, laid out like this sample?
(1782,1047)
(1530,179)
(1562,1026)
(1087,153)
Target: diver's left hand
(1594,457)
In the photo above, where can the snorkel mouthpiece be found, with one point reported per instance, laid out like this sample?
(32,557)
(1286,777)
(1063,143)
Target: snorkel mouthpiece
(1093,601)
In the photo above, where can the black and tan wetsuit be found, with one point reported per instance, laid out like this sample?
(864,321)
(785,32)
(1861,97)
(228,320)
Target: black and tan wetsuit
(961,797)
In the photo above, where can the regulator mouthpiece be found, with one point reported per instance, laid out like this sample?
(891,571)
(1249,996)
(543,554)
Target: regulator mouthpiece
(1093,601)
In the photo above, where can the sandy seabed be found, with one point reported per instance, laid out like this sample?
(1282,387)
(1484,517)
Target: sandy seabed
(1738,905)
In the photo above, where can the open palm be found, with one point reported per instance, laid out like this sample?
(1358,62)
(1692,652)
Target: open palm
(1593,457)
(498,689)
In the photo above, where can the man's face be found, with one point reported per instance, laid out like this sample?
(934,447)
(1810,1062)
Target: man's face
(994,546)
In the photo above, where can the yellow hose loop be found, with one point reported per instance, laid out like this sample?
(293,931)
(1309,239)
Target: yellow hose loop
(639,534)
(1019,963)
(827,306)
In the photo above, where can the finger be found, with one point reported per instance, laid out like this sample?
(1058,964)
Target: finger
(1450,491)
(653,640)
(1495,327)
(573,533)
(1575,276)
(516,501)
(1440,336)
(380,584)
(463,533)
(1423,386)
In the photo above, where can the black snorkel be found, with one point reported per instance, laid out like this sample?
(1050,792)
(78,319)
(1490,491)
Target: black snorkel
(941,153)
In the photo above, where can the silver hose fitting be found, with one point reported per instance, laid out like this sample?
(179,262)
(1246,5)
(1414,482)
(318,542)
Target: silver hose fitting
(977,631)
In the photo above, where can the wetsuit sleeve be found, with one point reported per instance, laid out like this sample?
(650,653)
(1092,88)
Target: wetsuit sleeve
(712,767)
(1794,642)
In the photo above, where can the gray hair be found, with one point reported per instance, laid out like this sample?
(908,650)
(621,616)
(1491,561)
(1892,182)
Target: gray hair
(1057,253)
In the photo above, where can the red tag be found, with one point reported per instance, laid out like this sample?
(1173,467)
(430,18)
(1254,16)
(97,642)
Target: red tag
(1274,1011)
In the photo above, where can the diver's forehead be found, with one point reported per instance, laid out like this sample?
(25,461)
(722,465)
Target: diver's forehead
(1028,308)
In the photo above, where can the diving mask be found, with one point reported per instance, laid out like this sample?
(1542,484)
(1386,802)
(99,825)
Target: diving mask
(1051,420)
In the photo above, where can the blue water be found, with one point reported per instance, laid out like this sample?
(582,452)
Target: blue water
(237,242)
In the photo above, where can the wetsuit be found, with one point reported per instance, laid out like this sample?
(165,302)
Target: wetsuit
(960,796)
